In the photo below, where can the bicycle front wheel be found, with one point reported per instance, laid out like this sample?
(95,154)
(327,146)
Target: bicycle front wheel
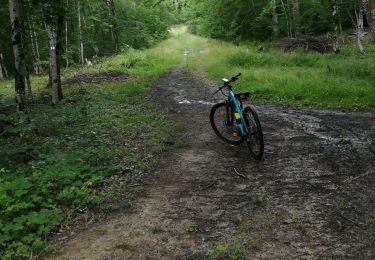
(254,139)
(223,123)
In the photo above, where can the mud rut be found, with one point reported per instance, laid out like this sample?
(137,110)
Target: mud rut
(311,197)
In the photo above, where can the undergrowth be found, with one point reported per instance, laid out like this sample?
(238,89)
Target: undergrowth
(80,154)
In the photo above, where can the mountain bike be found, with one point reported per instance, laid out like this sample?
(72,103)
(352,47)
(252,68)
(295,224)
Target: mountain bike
(235,124)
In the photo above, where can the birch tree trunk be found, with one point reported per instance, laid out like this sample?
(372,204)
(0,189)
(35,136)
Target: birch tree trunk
(336,26)
(80,40)
(54,32)
(275,22)
(19,60)
(369,8)
(359,17)
(296,18)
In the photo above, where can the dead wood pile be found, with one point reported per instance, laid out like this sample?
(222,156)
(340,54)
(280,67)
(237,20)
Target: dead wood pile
(95,78)
(321,45)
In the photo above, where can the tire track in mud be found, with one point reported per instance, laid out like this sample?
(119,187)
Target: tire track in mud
(311,197)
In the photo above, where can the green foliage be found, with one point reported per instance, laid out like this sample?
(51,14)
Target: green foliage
(64,165)
(243,19)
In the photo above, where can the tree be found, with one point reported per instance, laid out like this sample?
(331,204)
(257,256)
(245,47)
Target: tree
(336,26)
(368,6)
(114,32)
(296,18)
(19,59)
(54,23)
(80,39)
(275,22)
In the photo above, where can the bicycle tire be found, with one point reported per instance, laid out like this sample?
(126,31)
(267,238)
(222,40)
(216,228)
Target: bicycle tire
(255,133)
(219,109)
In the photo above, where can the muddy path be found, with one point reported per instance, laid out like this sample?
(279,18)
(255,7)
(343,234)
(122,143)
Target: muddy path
(311,197)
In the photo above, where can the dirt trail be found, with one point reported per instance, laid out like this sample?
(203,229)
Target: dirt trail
(312,196)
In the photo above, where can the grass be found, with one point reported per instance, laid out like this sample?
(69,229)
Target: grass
(80,154)
(344,80)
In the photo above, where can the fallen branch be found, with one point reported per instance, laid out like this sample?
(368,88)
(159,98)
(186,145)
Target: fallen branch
(239,174)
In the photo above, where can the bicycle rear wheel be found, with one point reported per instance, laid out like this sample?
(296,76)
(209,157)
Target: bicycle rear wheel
(223,123)
(254,139)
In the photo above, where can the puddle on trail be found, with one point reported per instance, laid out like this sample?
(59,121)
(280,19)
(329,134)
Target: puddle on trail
(185,101)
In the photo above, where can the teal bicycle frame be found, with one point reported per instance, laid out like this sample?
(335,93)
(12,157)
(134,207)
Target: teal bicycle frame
(241,126)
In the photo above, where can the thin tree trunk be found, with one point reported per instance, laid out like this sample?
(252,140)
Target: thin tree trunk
(31,36)
(4,71)
(19,60)
(296,18)
(336,26)
(114,24)
(54,39)
(368,7)
(66,39)
(80,40)
(28,84)
(38,69)
(1,72)
(289,27)
(39,66)
(275,22)
(359,17)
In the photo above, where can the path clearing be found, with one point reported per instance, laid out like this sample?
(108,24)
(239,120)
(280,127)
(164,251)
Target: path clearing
(311,196)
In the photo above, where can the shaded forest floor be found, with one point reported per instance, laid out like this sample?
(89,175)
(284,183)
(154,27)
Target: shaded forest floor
(311,196)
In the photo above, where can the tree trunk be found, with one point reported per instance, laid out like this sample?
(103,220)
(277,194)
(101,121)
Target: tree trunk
(39,66)
(369,8)
(66,39)
(19,60)
(3,71)
(296,18)
(336,26)
(54,38)
(28,84)
(114,24)
(80,40)
(288,23)
(275,22)
(359,17)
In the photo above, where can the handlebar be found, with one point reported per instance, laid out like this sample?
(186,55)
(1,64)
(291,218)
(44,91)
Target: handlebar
(226,83)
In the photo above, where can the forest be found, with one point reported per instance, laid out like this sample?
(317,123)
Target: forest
(75,120)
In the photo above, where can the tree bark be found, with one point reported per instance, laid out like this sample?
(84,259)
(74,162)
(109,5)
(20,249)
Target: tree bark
(54,29)
(80,40)
(3,69)
(275,22)
(336,26)
(369,9)
(359,17)
(66,39)
(19,60)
